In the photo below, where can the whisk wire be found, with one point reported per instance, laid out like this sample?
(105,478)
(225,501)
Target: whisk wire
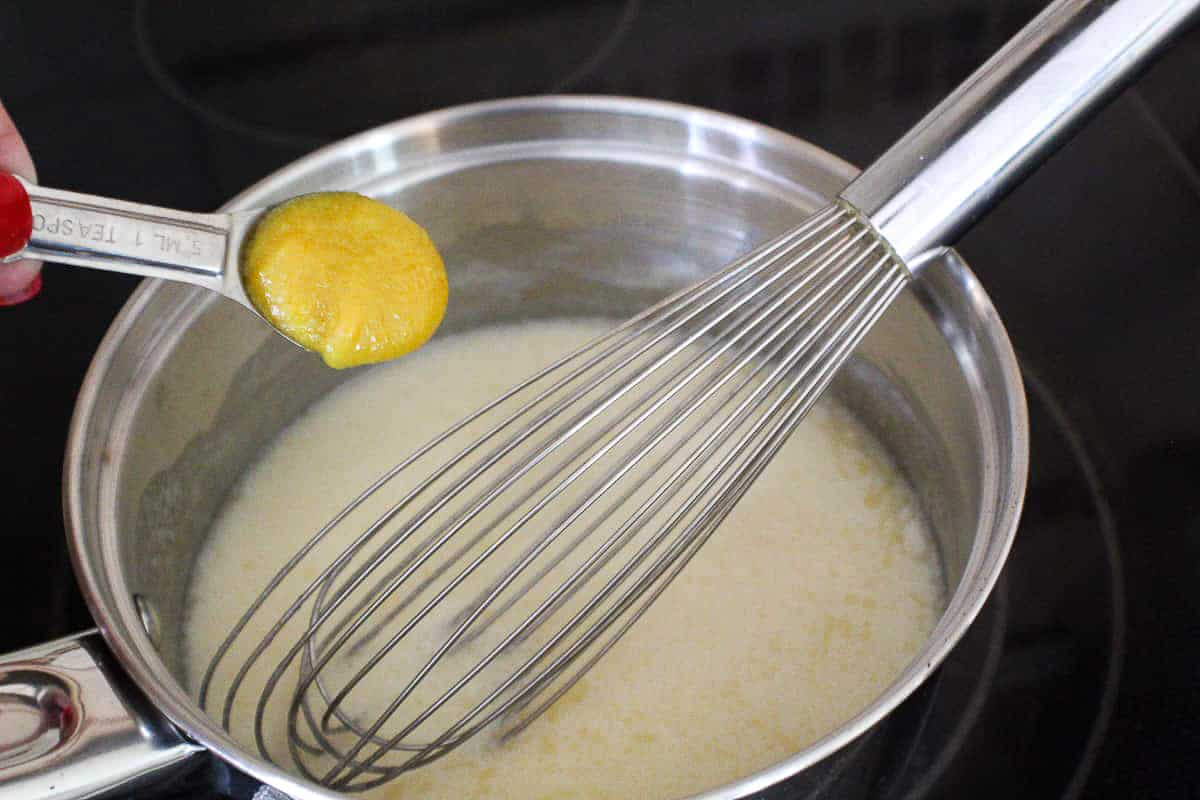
(500,484)
(723,283)
(636,446)
(479,607)
(499,648)
(646,318)
(660,399)
(630,595)
(798,408)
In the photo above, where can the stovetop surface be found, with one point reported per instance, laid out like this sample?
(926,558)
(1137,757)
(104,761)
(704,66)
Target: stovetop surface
(1080,677)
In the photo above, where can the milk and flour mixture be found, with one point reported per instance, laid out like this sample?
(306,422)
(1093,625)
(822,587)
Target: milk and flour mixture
(800,610)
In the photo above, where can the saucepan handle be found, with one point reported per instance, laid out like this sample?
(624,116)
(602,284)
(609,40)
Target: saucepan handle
(73,726)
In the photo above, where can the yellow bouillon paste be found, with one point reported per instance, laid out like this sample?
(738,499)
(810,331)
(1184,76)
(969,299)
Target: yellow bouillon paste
(346,276)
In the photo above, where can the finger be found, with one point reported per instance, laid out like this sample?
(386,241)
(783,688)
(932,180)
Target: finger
(20,280)
(14,156)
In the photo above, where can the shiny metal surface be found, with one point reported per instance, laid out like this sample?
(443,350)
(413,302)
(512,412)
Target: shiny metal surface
(590,486)
(136,239)
(71,727)
(543,207)
(781,322)
(1014,111)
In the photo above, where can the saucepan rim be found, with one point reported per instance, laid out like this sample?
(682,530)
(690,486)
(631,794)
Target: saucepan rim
(96,555)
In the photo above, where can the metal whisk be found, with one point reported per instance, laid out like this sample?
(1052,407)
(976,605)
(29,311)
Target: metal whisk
(474,585)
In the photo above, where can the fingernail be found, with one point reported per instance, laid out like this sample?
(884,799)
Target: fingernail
(16,216)
(28,293)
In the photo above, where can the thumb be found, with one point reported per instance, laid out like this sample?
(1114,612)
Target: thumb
(20,280)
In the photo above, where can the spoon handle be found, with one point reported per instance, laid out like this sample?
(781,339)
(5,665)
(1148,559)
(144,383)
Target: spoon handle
(116,235)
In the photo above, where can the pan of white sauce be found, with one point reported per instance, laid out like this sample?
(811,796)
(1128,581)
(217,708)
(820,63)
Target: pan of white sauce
(204,450)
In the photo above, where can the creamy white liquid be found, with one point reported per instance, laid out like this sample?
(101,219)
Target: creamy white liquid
(800,610)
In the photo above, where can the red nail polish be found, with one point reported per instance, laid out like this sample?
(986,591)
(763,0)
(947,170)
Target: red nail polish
(16,216)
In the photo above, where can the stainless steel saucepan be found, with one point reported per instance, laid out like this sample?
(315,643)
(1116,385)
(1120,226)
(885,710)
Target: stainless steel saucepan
(543,207)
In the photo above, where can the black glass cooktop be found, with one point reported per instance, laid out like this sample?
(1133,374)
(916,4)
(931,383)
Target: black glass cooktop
(1080,677)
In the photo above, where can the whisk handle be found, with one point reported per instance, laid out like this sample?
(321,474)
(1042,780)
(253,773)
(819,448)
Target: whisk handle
(1013,112)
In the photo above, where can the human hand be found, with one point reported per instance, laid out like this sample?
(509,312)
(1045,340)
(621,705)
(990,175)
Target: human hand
(20,280)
